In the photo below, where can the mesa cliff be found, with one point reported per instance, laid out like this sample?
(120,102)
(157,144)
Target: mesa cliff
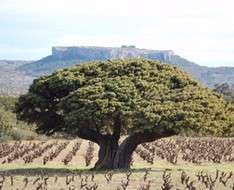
(63,57)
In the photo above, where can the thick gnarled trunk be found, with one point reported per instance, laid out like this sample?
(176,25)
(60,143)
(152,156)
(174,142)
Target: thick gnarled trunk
(114,156)
(123,156)
(107,153)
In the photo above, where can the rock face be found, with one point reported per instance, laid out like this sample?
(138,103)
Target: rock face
(103,53)
(67,56)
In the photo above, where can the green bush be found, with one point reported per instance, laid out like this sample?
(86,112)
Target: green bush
(18,133)
(6,120)
(10,127)
(8,102)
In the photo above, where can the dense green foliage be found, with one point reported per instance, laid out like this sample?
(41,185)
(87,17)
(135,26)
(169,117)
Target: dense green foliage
(142,95)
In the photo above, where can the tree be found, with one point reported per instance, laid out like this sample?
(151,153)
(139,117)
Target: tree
(103,100)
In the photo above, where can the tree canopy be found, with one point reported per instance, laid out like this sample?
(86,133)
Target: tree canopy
(143,99)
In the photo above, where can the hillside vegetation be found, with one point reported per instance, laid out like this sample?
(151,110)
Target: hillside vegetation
(226,91)
(12,81)
(10,127)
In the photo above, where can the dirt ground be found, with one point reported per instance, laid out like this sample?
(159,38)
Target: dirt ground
(159,175)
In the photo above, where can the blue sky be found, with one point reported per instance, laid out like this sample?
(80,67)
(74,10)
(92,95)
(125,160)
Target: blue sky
(201,31)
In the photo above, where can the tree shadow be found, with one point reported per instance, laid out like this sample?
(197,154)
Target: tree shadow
(41,171)
(60,172)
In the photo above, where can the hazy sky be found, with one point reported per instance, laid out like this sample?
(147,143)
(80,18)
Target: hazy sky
(199,30)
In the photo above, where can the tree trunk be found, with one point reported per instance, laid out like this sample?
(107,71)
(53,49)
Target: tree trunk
(107,151)
(109,145)
(111,155)
(124,154)
(114,156)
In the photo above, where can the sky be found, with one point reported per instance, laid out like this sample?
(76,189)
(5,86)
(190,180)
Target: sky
(201,31)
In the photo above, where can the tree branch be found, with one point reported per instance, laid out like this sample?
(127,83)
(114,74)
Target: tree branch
(91,135)
(140,138)
(127,147)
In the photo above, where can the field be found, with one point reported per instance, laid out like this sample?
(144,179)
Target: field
(175,163)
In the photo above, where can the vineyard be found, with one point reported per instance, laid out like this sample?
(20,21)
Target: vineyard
(173,163)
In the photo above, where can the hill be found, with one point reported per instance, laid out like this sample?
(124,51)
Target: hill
(16,76)
(67,56)
(13,81)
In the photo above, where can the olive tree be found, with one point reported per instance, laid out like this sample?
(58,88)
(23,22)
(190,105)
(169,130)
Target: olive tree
(138,99)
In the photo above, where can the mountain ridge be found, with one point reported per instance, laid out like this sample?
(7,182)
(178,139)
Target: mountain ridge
(64,56)
(16,76)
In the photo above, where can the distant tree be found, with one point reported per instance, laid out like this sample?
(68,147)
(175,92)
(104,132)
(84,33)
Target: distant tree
(226,90)
(142,99)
